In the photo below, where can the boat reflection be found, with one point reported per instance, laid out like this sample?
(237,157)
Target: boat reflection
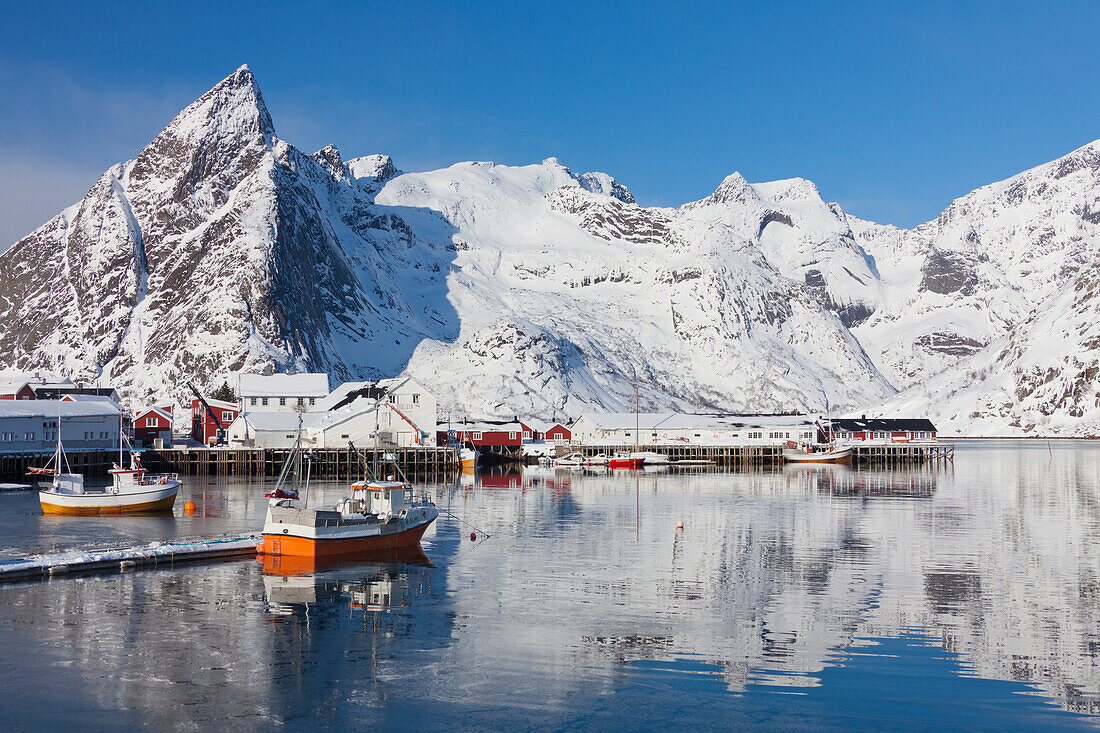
(380,583)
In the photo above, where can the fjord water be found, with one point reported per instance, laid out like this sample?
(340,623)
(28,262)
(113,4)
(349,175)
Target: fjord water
(959,595)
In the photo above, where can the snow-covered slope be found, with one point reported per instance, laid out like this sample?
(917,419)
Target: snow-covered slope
(957,283)
(221,248)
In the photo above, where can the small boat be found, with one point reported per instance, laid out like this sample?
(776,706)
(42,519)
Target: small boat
(467,459)
(569,460)
(597,460)
(133,490)
(693,462)
(626,459)
(379,515)
(651,458)
(808,453)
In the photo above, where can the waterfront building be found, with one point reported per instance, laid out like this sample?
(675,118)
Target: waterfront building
(204,427)
(395,412)
(281,392)
(30,426)
(151,424)
(489,435)
(536,430)
(706,429)
(883,429)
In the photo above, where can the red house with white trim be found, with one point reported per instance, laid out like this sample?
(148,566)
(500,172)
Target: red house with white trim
(538,430)
(488,435)
(885,429)
(152,423)
(203,427)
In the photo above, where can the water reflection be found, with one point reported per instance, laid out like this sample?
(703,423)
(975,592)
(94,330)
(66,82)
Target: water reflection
(587,607)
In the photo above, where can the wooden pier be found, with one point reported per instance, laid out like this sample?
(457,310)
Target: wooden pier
(330,463)
(720,455)
(884,454)
(90,463)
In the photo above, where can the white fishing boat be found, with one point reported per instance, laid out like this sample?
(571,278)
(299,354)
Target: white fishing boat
(569,460)
(818,453)
(597,460)
(133,490)
(651,458)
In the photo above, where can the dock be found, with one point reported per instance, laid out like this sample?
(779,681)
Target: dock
(329,463)
(155,554)
(738,456)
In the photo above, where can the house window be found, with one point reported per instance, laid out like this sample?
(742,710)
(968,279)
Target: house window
(527,434)
(559,436)
(282,400)
(393,399)
(263,400)
(312,400)
(475,436)
(416,399)
(227,416)
(28,436)
(511,436)
(150,422)
(253,400)
(345,435)
(301,401)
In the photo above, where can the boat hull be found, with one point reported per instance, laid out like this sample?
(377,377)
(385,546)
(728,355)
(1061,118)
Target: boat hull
(158,499)
(323,547)
(625,463)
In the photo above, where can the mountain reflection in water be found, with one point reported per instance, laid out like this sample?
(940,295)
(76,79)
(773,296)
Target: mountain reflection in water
(964,594)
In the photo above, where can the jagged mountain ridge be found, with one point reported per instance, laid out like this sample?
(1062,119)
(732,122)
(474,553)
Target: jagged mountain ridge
(515,290)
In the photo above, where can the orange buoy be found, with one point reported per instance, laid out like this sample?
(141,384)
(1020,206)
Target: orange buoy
(473,537)
(189,508)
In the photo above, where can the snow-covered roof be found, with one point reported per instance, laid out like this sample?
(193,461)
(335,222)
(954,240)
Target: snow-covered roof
(51,408)
(682,421)
(541,426)
(161,411)
(88,398)
(368,389)
(37,379)
(11,385)
(284,385)
(485,427)
(220,404)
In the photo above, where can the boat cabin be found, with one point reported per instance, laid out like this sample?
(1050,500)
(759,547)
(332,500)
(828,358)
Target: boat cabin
(382,498)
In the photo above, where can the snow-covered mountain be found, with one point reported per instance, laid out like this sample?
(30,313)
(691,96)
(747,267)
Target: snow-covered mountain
(221,248)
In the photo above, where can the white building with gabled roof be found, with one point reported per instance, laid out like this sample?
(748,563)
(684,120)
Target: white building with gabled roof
(281,392)
(30,426)
(387,412)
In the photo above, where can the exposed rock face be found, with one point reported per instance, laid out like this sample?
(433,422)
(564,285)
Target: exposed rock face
(221,248)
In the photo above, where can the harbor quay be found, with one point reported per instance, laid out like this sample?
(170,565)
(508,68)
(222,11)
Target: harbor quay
(346,463)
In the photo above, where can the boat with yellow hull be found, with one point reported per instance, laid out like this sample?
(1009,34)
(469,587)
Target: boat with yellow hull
(133,490)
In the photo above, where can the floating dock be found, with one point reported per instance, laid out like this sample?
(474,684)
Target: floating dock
(155,554)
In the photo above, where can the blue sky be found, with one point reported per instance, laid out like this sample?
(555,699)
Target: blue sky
(892,109)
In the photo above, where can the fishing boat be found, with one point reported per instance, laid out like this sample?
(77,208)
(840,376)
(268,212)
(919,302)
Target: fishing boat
(810,453)
(467,459)
(380,514)
(133,489)
(652,458)
(597,460)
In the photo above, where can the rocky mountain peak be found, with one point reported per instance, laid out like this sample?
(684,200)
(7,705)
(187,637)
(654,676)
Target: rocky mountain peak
(372,168)
(733,189)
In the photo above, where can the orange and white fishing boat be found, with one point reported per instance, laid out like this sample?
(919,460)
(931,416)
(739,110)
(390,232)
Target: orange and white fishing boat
(379,515)
(133,490)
